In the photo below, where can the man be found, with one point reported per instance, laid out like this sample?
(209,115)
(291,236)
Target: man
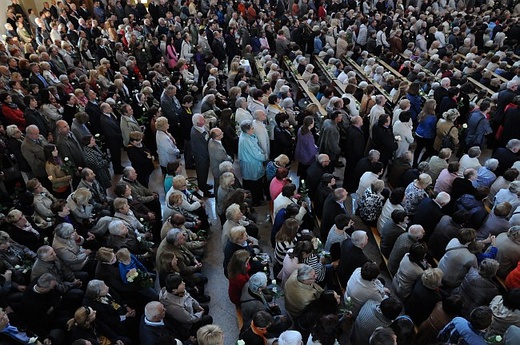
(36,77)
(372,316)
(402,246)
(185,121)
(32,151)
(301,290)
(377,110)
(363,285)
(462,331)
(507,156)
(68,145)
(11,335)
(66,282)
(217,47)
(356,147)
(199,144)
(439,163)
(94,112)
(429,212)
(34,117)
(141,193)
(315,173)
(478,126)
(383,138)
(447,229)
(217,154)
(334,205)
(440,93)
(99,195)
(171,108)
(152,327)
(504,98)
(111,130)
(392,230)
(352,255)
(364,165)
(329,139)
(261,133)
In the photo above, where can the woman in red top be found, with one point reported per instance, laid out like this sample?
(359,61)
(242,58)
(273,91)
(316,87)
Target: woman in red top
(12,114)
(513,278)
(238,275)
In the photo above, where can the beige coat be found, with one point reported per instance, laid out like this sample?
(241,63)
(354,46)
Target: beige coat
(299,295)
(443,126)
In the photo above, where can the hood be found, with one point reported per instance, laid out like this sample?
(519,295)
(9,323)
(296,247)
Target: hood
(468,201)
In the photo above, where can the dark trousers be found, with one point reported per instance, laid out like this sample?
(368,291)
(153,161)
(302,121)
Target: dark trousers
(256,189)
(188,154)
(423,143)
(202,169)
(115,158)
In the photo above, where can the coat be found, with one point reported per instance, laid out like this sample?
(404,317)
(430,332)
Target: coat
(128,124)
(33,153)
(183,309)
(428,214)
(421,303)
(508,254)
(443,126)
(456,263)
(383,139)
(166,148)
(299,295)
(406,276)
(217,154)
(329,142)
(69,146)
(251,157)
(331,208)
(475,291)
(443,233)
(351,258)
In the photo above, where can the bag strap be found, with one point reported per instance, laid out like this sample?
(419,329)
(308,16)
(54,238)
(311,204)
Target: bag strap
(449,131)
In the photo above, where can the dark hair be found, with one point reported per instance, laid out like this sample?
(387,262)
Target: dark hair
(47,151)
(511,174)
(452,305)
(325,330)
(391,307)
(481,317)
(120,189)
(383,119)
(306,123)
(171,167)
(272,98)
(341,221)
(280,118)
(466,235)
(300,248)
(397,196)
(262,319)
(376,167)
(172,281)
(370,271)
(404,329)
(288,190)
(405,116)
(460,217)
(85,140)
(453,166)
(292,210)
(417,252)
(398,216)
(512,299)
(58,206)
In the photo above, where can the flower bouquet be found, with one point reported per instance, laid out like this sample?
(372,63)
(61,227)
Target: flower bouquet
(139,277)
(495,339)
(68,166)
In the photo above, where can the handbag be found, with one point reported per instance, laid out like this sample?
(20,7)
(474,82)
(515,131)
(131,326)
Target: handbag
(447,141)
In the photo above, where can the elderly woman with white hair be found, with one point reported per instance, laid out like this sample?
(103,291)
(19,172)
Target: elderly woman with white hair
(242,113)
(254,299)
(226,186)
(415,192)
(79,204)
(121,237)
(486,174)
(234,218)
(190,202)
(238,239)
(166,146)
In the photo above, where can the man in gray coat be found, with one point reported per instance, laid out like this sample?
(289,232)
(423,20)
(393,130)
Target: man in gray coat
(199,145)
(217,154)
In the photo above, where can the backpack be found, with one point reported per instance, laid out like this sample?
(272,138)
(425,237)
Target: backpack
(447,141)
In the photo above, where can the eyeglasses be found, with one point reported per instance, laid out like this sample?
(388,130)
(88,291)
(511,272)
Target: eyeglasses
(87,310)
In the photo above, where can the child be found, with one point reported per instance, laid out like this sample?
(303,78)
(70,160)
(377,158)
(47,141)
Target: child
(128,265)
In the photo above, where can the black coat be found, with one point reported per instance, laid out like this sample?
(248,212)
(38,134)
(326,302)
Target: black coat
(428,213)
(352,257)
(384,142)
(94,114)
(506,159)
(283,143)
(331,209)
(112,131)
(314,174)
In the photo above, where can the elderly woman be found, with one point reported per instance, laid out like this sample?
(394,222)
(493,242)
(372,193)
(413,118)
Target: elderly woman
(235,217)
(173,207)
(226,186)
(80,206)
(182,307)
(415,193)
(119,236)
(166,146)
(123,212)
(43,200)
(446,127)
(238,239)
(478,287)
(242,113)
(254,299)
(425,295)
(251,159)
(23,232)
(140,157)
(410,269)
(190,202)
(97,160)
(67,245)
(506,311)
(114,319)
(371,203)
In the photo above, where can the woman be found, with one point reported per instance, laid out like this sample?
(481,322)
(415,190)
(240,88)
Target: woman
(241,113)
(415,100)
(83,326)
(425,295)
(371,203)
(367,102)
(506,312)
(171,53)
(425,132)
(85,55)
(238,276)
(402,130)
(190,202)
(283,138)
(166,146)
(67,245)
(102,79)
(325,188)
(226,186)
(235,217)
(173,207)
(115,319)
(410,269)
(306,149)
(16,258)
(238,239)
(446,127)
(285,240)
(59,173)
(278,182)
(415,193)
(140,157)
(10,111)
(230,139)
(172,169)
(251,159)
(97,161)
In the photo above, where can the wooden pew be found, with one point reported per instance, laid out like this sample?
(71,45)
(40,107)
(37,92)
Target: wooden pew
(377,238)
(302,85)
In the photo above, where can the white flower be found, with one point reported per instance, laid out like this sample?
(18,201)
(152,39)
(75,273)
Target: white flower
(273,281)
(241,342)
(96,136)
(349,300)
(465,126)
(275,290)
(25,271)
(139,239)
(17,267)
(66,159)
(498,338)
(33,340)
(141,220)
(50,177)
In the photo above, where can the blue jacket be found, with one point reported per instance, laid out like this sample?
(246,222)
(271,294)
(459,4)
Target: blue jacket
(415,105)
(459,331)
(427,128)
(478,127)
(251,157)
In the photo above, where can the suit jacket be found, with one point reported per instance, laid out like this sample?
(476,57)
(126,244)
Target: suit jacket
(34,117)
(199,146)
(170,110)
(33,79)
(331,209)
(69,146)
(428,214)
(356,146)
(111,130)
(33,154)
(217,155)
(94,113)
(351,258)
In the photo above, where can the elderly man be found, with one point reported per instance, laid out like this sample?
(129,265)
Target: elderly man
(171,109)
(315,173)
(111,129)
(68,145)
(261,132)
(334,205)
(377,110)
(301,290)
(189,267)
(32,151)
(402,245)
(352,255)
(507,156)
(152,325)
(363,285)
(429,212)
(217,154)
(99,194)
(199,144)
(440,93)
(329,139)
(141,193)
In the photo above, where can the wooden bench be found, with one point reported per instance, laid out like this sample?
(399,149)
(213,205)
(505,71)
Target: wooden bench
(377,238)
(302,85)
(240,319)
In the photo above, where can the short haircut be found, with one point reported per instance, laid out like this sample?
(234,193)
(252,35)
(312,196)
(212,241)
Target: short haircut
(481,317)
(210,335)
(370,271)
(391,307)
(398,216)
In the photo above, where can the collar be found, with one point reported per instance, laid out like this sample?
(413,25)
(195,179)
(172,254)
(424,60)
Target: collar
(152,323)
(200,129)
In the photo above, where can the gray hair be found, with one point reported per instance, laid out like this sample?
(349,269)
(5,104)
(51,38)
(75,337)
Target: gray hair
(305,272)
(127,171)
(511,144)
(45,280)
(225,166)
(491,164)
(232,211)
(239,101)
(373,153)
(151,310)
(443,198)
(514,187)
(488,268)
(359,237)
(94,288)
(257,281)
(173,234)
(43,251)
(474,151)
(259,113)
(195,119)
(116,226)
(246,125)
(416,231)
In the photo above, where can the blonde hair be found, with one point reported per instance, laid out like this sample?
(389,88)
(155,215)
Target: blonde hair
(236,233)
(119,203)
(174,197)
(123,254)
(178,181)
(80,318)
(82,196)
(161,122)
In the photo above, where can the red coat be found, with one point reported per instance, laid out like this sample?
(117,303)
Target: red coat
(14,117)
(235,288)
(513,278)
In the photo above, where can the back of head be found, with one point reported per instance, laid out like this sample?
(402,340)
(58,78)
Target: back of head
(210,335)
(382,336)
(391,307)
(290,338)
(262,319)
(370,271)
(481,317)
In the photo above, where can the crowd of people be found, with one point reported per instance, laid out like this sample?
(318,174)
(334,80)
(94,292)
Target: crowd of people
(178,86)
